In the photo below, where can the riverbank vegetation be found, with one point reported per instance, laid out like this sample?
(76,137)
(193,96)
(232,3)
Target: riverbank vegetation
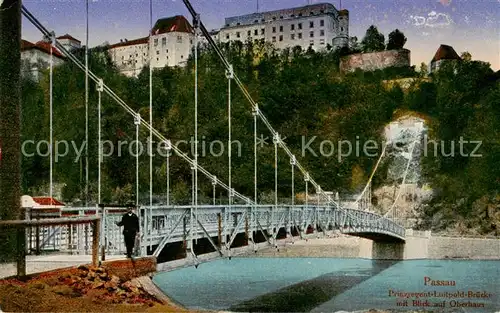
(304,96)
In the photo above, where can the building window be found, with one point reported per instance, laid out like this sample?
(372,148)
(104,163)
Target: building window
(300,25)
(300,14)
(312,13)
(292,27)
(238,24)
(274,29)
(256,32)
(300,35)
(311,24)
(292,36)
(281,37)
(237,34)
(249,33)
(256,21)
(274,18)
(281,17)
(262,31)
(179,39)
(341,29)
(321,41)
(262,20)
(322,23)
(322,32)
(156,41)
(157,59)
(274,38)
(164,41)
(227,36)
(311,42)
(157,52)
(311,34)
(182,57)
(281,28)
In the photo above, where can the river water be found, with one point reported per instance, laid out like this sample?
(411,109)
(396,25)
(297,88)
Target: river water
(330,285)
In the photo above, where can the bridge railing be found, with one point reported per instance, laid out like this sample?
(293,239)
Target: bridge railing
(22,225)
(159,222)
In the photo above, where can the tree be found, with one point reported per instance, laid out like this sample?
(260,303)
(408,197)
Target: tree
(466,56)
(424,69)
(373,41)
(354,45)
(397,40)
(10,102)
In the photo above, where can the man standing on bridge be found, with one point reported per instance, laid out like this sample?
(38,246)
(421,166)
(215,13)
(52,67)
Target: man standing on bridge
(130,223)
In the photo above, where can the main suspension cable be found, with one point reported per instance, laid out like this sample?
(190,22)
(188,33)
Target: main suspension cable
(120,102)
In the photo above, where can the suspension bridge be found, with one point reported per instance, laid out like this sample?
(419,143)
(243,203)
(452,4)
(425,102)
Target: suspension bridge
(242,221)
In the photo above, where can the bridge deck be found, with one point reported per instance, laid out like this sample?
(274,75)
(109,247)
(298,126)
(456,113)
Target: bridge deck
(219,224)
(44,263)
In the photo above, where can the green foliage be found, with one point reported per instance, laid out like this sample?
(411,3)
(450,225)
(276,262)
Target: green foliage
(466,56)
(463,103)
(397,40)
(302,94)
(373,41)
(388,73)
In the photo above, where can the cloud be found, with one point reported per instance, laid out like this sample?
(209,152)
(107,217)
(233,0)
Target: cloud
(419,20)
(438,20)
(433,20)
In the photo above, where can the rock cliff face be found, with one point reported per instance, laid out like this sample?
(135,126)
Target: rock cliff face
(375,61)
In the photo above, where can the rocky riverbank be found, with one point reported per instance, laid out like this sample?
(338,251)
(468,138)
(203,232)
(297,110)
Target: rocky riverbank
(82,289)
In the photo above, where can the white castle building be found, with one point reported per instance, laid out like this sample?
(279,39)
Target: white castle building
(172,40)
(316,26)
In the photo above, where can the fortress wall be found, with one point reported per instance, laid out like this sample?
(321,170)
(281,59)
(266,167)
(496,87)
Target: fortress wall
(375,60)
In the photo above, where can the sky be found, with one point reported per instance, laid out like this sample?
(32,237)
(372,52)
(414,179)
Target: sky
(467,25)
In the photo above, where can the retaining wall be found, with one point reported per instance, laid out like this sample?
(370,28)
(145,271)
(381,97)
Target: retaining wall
(375,60)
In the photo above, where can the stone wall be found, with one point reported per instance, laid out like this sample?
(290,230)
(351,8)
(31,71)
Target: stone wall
(419,245)
(375,60)
(465,248)
(131,268)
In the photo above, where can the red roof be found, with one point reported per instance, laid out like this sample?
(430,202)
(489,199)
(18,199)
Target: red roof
(47,201)
(130,43)
(26,44)
(41,46)
(67,36)
(445,52)
(176,23)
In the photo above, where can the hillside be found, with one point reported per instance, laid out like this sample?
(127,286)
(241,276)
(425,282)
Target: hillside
(304,96)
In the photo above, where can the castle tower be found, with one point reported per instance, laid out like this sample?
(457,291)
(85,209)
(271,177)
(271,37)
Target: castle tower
(342,38)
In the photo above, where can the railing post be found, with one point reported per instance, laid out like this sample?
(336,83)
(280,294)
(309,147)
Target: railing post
(21,252)
(103,233)
(95,242)
(219,220)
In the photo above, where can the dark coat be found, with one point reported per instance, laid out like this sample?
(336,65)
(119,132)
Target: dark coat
(130,223)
